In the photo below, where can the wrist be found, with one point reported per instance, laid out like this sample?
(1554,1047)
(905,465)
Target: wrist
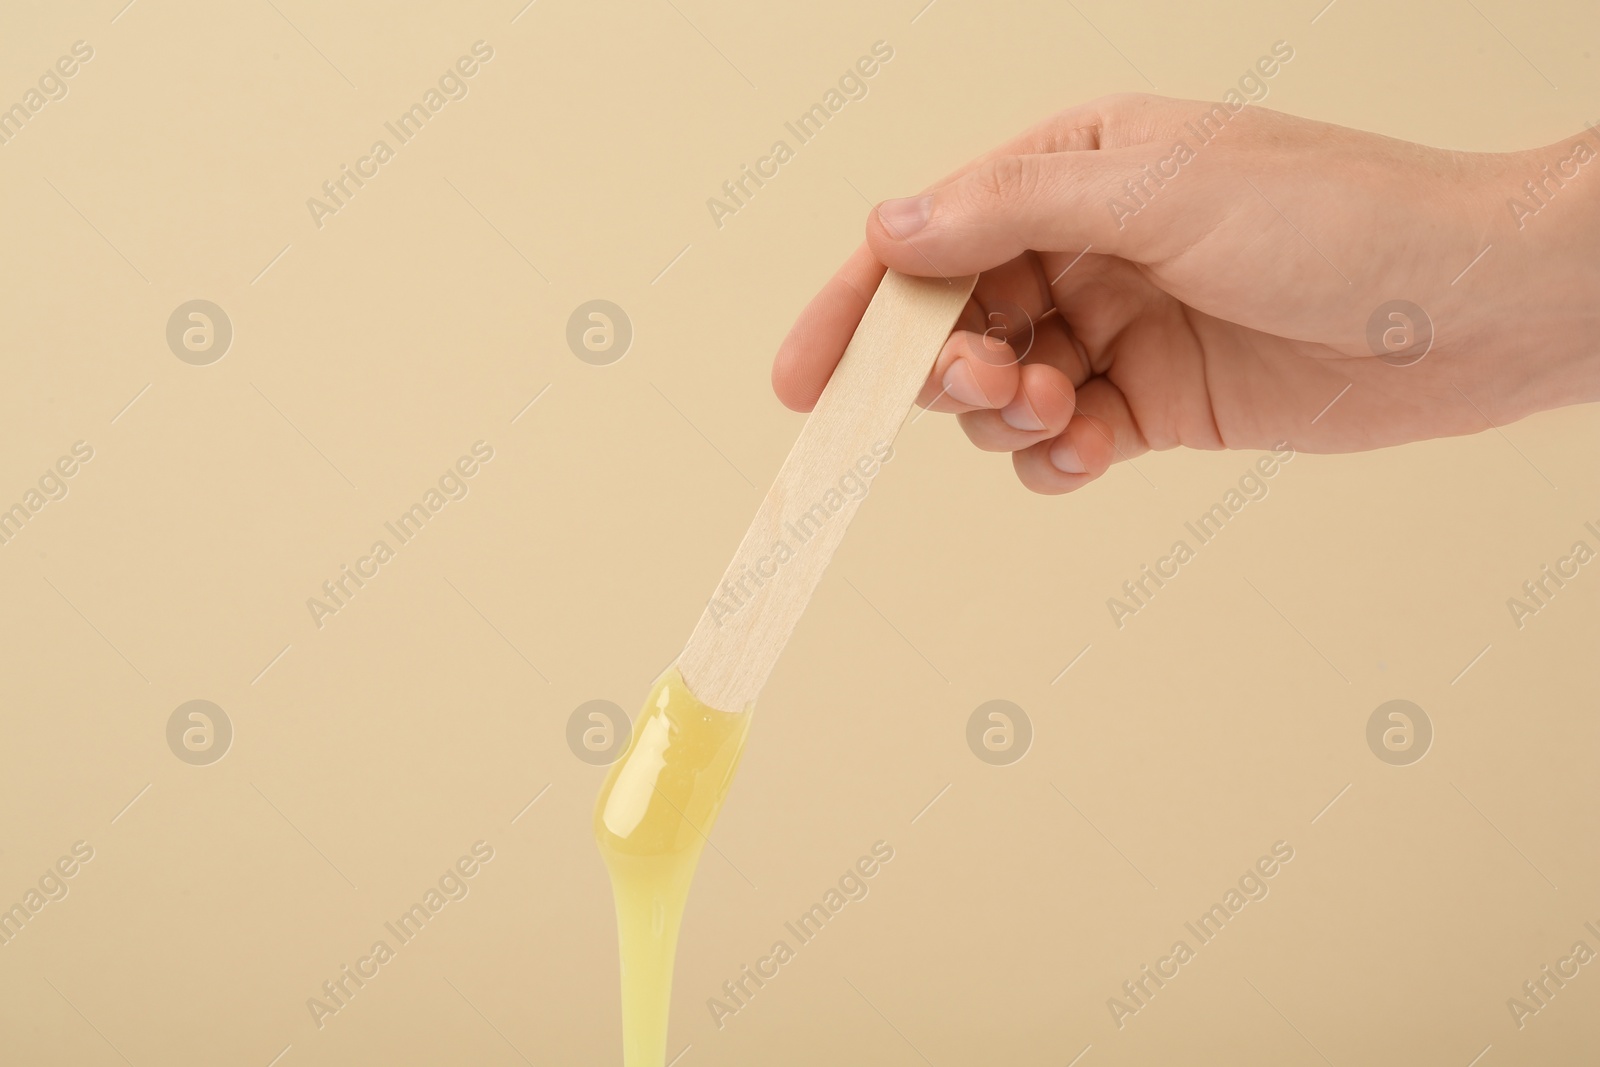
(1546,244)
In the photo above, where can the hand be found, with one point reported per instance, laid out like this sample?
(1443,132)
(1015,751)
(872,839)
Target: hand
(1157,273)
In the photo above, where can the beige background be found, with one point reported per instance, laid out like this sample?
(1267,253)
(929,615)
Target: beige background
(373,752)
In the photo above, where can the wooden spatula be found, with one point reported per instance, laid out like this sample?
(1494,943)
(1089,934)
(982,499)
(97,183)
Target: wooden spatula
(803,518)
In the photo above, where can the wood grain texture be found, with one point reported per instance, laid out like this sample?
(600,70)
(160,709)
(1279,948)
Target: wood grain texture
(841,450)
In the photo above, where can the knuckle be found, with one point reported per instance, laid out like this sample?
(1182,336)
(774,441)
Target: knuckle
(1007,179)
(1132,118)
(1120,105)
(991,347)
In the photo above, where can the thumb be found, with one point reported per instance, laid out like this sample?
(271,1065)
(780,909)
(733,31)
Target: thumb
(1057,202)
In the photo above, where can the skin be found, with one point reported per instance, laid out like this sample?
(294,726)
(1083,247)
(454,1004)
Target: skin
(1227,306)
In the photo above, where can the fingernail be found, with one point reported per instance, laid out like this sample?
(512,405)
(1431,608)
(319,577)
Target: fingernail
(1064,455)
(1019,414)
(902,218)
(962,385)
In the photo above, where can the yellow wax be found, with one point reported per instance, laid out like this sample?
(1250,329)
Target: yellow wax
(651,821)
